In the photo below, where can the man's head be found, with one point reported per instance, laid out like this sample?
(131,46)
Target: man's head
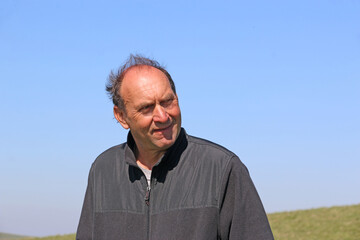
(115,79)
(146,102)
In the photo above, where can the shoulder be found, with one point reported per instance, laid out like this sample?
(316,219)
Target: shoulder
(111,151)
(109,156)
(211,152)
(208,146)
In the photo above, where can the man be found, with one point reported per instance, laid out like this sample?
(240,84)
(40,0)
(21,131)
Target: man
(163,183)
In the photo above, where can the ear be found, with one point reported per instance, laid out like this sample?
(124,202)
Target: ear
(120,117)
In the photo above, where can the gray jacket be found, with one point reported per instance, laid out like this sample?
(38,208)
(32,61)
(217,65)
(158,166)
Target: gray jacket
(199,190)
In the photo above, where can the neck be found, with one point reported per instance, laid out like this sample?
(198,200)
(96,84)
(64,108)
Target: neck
(147,159)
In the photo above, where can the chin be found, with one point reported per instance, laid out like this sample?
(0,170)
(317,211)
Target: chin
(164,144)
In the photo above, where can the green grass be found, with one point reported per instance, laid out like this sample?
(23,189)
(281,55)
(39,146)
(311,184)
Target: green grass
(7,236)
(335,223)
(57,237)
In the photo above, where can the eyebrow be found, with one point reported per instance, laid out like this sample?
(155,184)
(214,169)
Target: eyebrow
(144,104)
(168,96)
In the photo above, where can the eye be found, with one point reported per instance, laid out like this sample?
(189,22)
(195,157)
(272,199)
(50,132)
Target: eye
(146,109)
(167,102)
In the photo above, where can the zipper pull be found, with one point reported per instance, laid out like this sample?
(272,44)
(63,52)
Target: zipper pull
(147,196)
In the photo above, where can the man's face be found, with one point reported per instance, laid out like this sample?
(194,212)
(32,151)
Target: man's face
(151,109)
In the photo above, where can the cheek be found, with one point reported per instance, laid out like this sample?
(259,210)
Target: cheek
(175,112)
(144,123)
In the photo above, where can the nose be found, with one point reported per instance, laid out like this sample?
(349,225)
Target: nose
(160,114)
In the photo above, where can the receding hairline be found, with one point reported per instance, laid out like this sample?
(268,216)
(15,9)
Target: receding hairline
(139,62)
(138,70)
(141,68)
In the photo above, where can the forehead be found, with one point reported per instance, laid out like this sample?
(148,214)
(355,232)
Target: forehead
(143,80)
(138,71)
(143,74)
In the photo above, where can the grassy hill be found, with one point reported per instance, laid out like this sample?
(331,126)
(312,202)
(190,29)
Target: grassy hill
(57,237)
(335,223)
(6,236)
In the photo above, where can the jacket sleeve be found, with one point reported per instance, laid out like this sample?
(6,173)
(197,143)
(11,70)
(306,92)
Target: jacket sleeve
(242,215)
(86,223)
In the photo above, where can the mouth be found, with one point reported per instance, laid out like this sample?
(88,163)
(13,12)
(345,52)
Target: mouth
(163,129)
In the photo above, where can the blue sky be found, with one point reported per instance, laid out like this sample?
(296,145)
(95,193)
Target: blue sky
(276,82)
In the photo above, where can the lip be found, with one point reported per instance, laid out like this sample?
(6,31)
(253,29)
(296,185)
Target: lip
(163,129)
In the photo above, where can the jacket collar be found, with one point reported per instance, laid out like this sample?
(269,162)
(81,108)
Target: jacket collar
(177,148)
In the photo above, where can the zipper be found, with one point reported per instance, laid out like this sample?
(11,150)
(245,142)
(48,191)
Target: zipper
(147,203)
(147,195)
